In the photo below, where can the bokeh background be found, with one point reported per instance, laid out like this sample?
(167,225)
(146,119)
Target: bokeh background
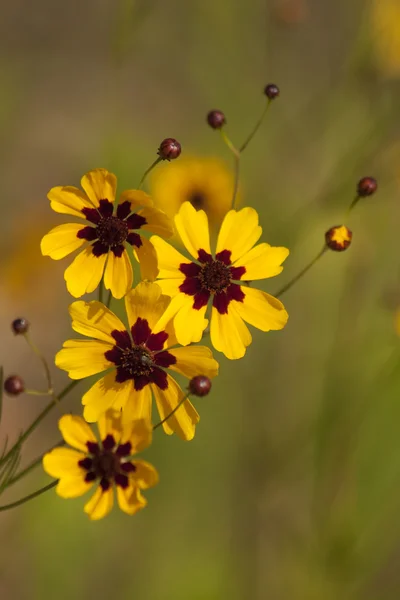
(291,487)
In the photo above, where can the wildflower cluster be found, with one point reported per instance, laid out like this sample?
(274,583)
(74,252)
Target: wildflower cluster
(190,289)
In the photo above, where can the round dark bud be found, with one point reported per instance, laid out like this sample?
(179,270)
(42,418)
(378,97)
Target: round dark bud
(14,385)
(216,119)
(367,186)
(20,326)
(338,238)
(169,149)
(271,91)
(200,385)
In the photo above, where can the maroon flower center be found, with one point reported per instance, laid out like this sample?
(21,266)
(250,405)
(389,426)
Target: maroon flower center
(112,231)
(108,463)
(136,360)
(197,199)
(214,276)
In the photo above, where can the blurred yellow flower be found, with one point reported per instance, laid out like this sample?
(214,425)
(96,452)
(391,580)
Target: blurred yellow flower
(206,183)
(106,462)
(385,28)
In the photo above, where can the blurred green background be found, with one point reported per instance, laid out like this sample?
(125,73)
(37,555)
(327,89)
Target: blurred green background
(291,487)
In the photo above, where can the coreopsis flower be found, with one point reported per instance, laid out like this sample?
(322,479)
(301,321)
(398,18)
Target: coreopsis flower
(106,231)
(139,360)
(219,278)
(105,462)
(204,182)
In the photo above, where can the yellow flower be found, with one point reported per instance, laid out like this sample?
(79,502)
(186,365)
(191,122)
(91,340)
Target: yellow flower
(192,283)
(385,27)
(107,463)
(204,182)
(139,359)
(107,232)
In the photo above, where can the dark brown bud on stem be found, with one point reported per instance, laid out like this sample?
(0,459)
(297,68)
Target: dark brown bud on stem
(338,238)
(14,385)
(20,326)
(200,385)
(216,119)
(367,186)
(271,91)
(169,149)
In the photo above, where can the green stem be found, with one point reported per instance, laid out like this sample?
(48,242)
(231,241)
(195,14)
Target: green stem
(305,270)
(172,412)
(352,205)
(256,127)
(32,465)
(43,361)
(236,154)
(159,159)
(100,297)
(109,298)
(29,497)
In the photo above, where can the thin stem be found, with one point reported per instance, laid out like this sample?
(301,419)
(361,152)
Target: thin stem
(100,297)
(43,361)
(29,497)
(109,298)
(39,418)
(236,154)
(172,412)
(256,127)
(352,205)
(300,274)
(32,465)
(159,159)
(37,393)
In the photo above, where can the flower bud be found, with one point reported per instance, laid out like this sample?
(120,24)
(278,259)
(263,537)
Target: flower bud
(216,119)
(169,149)
(14,385)
(271,91)
(338,238)
(367,186)
(20,326)
(200,385)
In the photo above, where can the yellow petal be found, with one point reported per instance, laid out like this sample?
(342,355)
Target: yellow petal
(130,499)
(137,405)
(72,487)
(145,301)
(110,423)
(84,273)
(118,276)
(95,320)
(157,222)
(189,323)
(183,421)
(170,287)
(169,259)
(141,433)
(104,394)
(99,184)
(239,232)
(63,462)
(262,310)
(68,200)
(83,358)
(76,432)
(262,261)
(100,504)
(136,198)
(192,226)
(147,258)
(229,334)
(61,241)
(145,474)
(194,360)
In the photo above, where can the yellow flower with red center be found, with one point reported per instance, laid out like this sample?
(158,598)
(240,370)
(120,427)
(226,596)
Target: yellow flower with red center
(140,358)
(219,279)
(206,183)
(338,238)
(107,232)
(106,462)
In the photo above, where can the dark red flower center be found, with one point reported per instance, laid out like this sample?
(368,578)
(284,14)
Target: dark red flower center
(107,462)
(197,199)
(213,277)
(112,231)
(141,357)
